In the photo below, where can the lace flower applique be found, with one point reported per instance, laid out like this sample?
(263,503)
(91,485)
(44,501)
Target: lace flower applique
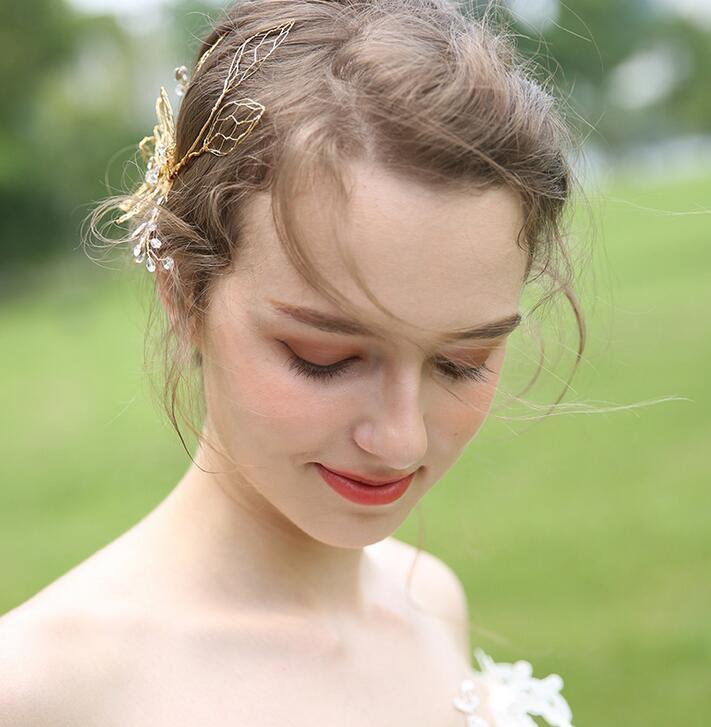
(514,696)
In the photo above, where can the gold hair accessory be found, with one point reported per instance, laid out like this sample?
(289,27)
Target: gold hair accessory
(220,135)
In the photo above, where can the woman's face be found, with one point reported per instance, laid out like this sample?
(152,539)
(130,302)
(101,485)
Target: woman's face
(397,404)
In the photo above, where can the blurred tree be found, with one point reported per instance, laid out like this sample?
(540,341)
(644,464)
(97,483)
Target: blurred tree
(688,106)
(56,123)
(192,20)
(35,37)
(584,42)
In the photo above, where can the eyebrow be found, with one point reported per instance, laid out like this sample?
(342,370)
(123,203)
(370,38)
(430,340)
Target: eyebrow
(335,324)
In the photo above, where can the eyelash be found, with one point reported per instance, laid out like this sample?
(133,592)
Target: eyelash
(323,373)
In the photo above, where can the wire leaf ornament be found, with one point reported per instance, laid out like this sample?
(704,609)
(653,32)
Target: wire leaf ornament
(257,48)
(224,135)
(229,122)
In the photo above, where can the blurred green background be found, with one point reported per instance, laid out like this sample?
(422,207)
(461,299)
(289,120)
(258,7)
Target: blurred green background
(583,540)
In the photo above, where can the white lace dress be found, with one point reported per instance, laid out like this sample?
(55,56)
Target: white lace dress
(514,696)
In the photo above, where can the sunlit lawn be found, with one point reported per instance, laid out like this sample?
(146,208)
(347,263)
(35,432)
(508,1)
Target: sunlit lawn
(583,540)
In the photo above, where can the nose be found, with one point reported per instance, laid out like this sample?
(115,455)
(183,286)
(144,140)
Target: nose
(394,429)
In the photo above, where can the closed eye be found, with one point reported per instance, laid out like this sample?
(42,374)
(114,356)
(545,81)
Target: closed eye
(451,369)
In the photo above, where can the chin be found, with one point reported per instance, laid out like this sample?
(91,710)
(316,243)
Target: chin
(345,524)
(354,540)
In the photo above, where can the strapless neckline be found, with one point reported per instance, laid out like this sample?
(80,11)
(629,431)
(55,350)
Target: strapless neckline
(514,695)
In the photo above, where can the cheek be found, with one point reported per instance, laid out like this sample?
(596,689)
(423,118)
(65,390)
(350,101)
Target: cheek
(466,409)
(258,401)
(464,416)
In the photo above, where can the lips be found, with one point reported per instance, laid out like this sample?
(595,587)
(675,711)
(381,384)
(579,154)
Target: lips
(374,481)
(365,493)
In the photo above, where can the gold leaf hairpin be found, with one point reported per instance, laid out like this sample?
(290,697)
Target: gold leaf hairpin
(227,125)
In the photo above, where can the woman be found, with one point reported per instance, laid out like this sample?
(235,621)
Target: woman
(340,227)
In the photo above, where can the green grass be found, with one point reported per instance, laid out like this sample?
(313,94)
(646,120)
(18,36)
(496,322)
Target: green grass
(583,540)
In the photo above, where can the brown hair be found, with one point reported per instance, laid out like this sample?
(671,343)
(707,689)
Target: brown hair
(420,87)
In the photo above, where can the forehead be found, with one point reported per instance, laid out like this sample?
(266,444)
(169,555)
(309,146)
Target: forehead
(438,259)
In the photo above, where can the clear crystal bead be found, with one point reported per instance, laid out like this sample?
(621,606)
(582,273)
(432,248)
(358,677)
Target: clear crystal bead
(138,230)
(155,243)
(150,265)
(137,249)
(181,75)
(168,263)
(140,258)
(152,176)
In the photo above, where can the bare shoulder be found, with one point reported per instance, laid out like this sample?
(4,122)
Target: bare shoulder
(30,668)
(434,585)
(52,665)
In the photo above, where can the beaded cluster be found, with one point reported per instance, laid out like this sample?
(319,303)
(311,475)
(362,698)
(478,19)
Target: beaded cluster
(229,122)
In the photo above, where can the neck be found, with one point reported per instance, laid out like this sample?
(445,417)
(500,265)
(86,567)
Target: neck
(231,549)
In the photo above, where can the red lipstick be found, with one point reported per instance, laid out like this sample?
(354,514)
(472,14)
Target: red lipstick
(364,492)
